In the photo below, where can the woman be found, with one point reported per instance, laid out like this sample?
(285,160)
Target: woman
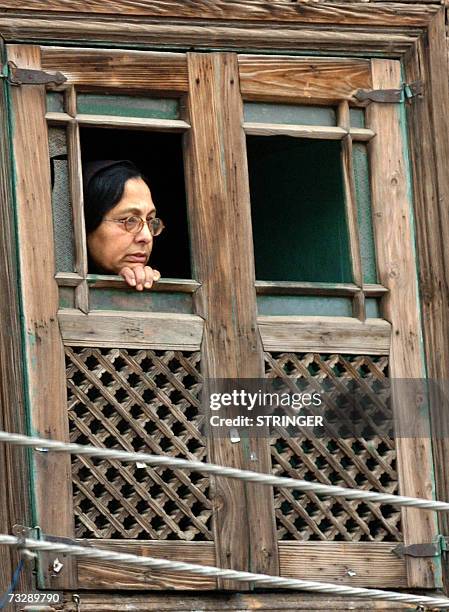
(120,222)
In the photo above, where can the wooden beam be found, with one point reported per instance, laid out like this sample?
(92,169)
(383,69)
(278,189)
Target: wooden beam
(14,474)
(44,353)
(109,31)
(382,13)
(107,121)
(325,334)
(104,575)
(110,68)
(77,201)
(396,266)
(358,304)
(164,331)
(306,288)
(358,564)
(220,219)
(294,79)
(279,601)
(428,130)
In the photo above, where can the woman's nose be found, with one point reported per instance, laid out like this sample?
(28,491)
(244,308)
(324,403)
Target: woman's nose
(144,235)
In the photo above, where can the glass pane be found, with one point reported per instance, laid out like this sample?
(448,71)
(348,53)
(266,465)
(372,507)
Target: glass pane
(298,209)
(55,102)
(357,117)
(372,308)
(304,305)
(128,106)
(66,297)
(61,205)
(259,112)
(363,195)
(146,301)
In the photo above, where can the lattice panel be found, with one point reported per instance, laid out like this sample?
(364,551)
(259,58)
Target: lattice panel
(364,462)
(137,400)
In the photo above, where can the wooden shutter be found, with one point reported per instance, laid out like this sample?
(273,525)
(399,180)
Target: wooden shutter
(114,356)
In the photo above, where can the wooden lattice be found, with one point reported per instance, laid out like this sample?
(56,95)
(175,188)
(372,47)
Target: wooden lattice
(137,400)
(366,463)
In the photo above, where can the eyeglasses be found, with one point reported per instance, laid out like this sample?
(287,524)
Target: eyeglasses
(134,224)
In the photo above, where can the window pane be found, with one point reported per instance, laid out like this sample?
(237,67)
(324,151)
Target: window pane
(357,117)
(304,305)
(128,106)
(61,205)
(55,102)
(363,195)
(298,209)
(290,114)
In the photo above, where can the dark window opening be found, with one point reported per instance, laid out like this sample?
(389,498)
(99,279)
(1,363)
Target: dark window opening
(298,209)
(160,158)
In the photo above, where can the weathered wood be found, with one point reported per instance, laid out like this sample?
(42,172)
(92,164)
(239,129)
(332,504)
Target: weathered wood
(116,69)
(43,347)
(306,131)
(306,288)
(77,202)
(368,564)
(14,475)
(397,271)
(162,285)
(96,575)
(161,125)
(428,131)
(220,220)
(292,79)
(112,31)
(237,602)
(325,334)
(323,13)
(131,330)
(359,309)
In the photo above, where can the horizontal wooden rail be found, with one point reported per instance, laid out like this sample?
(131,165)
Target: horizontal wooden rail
(325,334)
(160,125)
(306,131)
(103,328)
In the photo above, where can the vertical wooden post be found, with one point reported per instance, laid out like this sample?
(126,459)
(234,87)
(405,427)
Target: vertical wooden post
(14,499)
(429,136)
(392,207)
(358,305)
(44,353)
(221,228)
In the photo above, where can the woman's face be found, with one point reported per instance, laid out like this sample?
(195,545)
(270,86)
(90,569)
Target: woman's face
(110,246)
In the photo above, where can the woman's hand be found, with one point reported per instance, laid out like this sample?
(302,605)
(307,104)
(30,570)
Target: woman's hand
(140,277)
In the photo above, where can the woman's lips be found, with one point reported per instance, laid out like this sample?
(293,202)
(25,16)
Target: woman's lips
(137,258)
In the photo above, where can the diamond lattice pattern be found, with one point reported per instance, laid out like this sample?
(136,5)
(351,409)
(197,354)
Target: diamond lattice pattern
(364,462)
(137,400)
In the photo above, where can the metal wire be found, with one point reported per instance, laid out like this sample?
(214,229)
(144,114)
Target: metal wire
(90,552)
(41,444)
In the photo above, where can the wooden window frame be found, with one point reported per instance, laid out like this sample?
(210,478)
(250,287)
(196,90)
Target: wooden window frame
(415,34)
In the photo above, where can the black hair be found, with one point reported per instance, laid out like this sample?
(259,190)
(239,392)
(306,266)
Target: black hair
(105,189)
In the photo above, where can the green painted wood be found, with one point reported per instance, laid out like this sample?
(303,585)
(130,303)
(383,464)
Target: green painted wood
(357,117)
(272,305)
(128,106)
(66,297)
(140,301)
(298,210)
(363,196)
(260,112)
(55,102)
